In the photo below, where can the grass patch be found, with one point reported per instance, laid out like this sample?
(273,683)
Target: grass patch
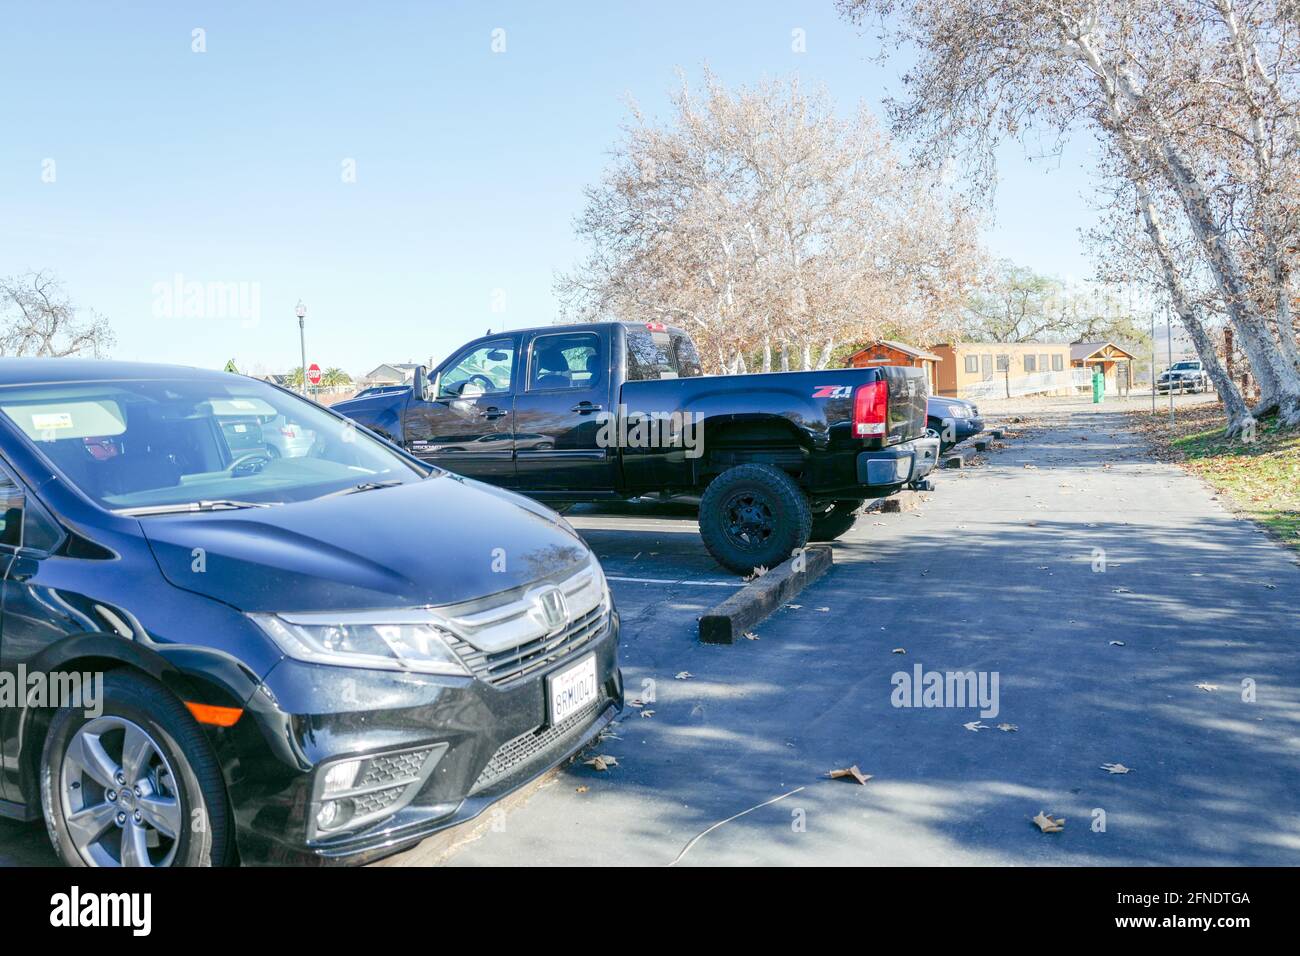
(1259,475)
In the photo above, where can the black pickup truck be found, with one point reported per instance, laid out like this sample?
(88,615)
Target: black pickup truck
(619,410)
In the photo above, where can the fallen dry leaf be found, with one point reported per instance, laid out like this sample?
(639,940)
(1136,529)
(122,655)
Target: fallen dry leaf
(1210,688)
(757,573)
(1048,824)
(603,762)
(824,610)
(1116,643)
(1009,728)
(975,726)
(899,650)
(751,636)
(683,675)
(852,772)
(647,713)
(1116,768)
(582,789)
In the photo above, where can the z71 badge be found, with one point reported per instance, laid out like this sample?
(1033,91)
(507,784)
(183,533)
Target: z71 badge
(833,391)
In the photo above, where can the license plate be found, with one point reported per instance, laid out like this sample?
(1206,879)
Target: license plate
(572,689)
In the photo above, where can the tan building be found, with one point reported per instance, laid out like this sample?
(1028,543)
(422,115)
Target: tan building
(1005,369)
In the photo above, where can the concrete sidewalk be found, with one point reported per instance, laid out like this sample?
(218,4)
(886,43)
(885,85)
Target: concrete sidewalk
(994,574)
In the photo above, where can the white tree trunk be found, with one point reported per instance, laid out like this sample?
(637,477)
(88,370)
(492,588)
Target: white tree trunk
(1238,414)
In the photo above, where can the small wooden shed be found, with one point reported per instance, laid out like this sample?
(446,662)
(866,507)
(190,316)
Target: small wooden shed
(897,353)
(1115,363)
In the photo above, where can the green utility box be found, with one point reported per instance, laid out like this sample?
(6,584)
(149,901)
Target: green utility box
(1098,386)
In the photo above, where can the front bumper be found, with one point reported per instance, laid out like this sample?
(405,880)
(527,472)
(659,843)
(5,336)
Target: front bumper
(889,469)
(473,742)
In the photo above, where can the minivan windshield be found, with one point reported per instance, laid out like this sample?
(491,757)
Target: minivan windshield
(153,445)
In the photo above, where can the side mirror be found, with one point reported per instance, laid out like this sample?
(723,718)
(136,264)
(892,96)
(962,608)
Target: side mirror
(420,384)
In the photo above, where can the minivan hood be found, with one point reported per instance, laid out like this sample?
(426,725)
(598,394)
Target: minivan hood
(438,541)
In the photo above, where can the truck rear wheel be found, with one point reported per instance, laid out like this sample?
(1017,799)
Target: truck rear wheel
(753,516)
(835,520)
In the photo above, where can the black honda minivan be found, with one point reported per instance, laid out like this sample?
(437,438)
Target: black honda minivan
(220,645)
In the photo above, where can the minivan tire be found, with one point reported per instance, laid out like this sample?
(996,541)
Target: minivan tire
(835,521)
(753,516)
(181,759)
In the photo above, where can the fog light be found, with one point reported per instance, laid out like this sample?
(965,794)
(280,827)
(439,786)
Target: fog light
(340,778)
(333,814)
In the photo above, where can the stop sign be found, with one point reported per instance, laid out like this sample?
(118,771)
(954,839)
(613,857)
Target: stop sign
(313,373)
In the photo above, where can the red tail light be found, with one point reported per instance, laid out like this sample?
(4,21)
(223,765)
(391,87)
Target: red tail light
(656,327)
(871,409)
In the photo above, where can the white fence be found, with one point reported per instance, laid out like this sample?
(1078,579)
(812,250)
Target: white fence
(1035,383)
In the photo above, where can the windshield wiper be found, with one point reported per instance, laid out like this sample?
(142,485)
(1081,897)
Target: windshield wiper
(364,486)
(218,504)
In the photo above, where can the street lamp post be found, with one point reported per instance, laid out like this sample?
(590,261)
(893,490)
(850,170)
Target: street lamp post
(301,312)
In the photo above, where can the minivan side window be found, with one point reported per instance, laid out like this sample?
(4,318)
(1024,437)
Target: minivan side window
(11,513)
(24,523)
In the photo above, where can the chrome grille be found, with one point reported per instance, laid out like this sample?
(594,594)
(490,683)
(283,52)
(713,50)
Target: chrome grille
(505,667)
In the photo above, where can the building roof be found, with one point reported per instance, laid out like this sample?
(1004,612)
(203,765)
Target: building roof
(1086,350)
(911,350)
(994,346)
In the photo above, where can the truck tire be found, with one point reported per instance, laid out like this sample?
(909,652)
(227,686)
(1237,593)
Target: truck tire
(753,516)
(835,520)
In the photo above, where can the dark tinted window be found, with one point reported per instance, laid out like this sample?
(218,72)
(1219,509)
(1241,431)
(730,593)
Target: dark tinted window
(688,360)
(565,361)
(11,516)
(649,355)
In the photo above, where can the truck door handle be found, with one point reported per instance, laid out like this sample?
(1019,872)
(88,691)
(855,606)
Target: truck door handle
(494,413)
(583,407)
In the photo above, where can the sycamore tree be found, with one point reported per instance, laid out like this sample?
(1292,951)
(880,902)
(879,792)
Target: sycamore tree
(1194,104)
(37,318)
(1016,304)
(769,227)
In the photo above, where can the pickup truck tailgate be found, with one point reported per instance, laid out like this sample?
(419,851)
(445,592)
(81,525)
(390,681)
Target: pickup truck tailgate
(908,390)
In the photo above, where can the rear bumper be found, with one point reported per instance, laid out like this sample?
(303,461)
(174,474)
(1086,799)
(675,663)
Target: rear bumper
(890,468)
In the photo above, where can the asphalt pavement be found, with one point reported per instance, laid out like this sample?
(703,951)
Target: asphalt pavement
(1130,619)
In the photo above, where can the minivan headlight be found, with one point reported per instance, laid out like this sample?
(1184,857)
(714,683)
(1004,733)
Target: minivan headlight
(386,640)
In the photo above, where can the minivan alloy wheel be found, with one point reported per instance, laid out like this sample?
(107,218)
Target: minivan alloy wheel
(118,795)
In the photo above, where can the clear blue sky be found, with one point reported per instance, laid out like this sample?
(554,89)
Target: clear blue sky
(226,166)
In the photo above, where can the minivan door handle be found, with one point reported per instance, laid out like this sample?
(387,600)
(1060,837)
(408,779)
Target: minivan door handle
(494,413)
(583,408)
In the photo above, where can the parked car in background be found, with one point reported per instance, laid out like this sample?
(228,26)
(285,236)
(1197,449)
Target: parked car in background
(619,410)
(1188,376)
(952,420)
(321,656)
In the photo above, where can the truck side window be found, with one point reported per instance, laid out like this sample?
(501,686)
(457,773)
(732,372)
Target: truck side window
(571,360)
(486,370)
(687,359)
